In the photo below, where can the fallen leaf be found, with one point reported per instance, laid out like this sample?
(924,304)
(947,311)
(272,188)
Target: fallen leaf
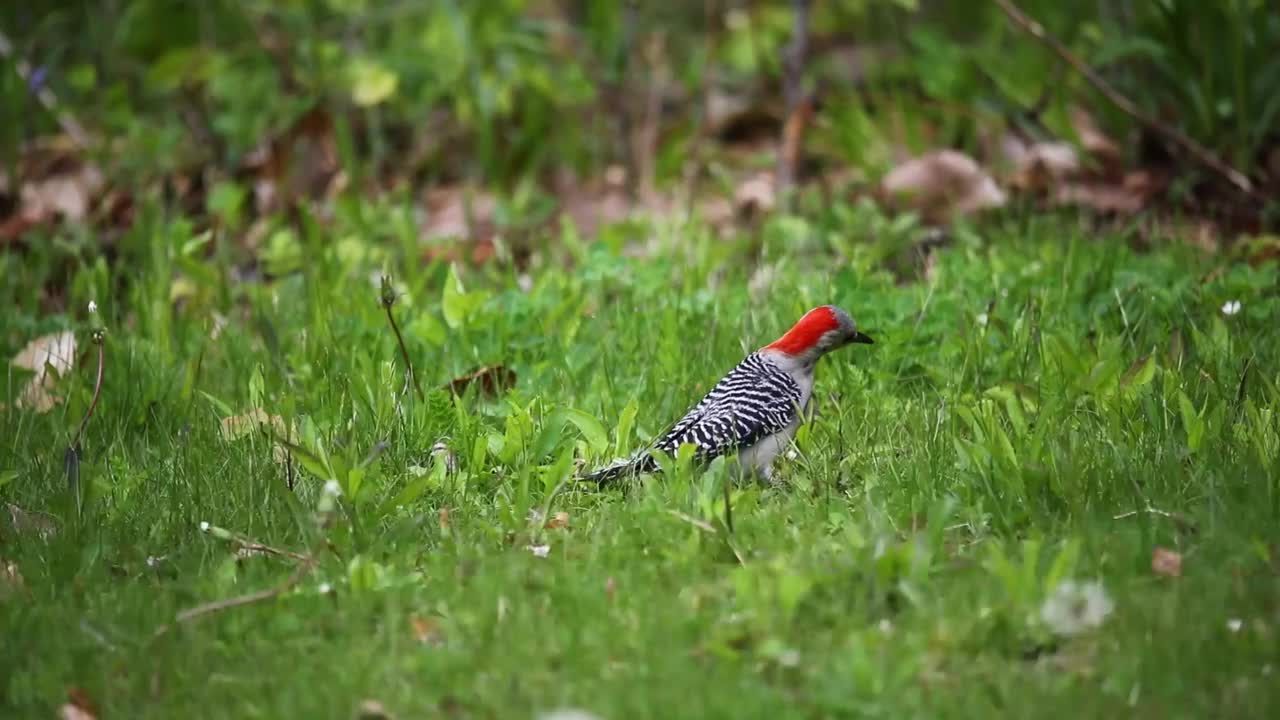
(426,630)
(372,710)
(237,426)
(1124,198)
(941,185)
(26,521)
(493,380)
(455,212)
(756,195)
(1046,165)
(1166,562)
(559,520)
(1097,145)
(55,351)
(11,576)
(79,707)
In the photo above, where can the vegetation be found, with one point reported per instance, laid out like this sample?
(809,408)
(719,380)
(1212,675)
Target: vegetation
(310,448)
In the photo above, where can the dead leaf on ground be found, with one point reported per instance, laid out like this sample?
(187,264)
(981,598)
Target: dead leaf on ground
(559,520)
(493,380)
(1043,166)
(1166,562)
(427,630)
(300,162)
(942,185)
(53,183)
(756,195)
(373,710)
(237,426)
(79,706)
(455,212)
(28,521)
(11,576)
(1126,197)
(1096,144)
(56,351)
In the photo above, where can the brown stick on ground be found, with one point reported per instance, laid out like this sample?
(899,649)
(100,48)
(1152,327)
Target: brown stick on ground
(1198,151)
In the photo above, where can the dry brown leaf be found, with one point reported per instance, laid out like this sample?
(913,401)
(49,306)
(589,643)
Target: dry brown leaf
(942,185)
(443,519)
(237,426)
(79,706)
(454,212)
(1046,165)
(57,351)
(559,520)
(610,588)
(11,576)
(493,380)
(756,195)
(300,162)
(1124,198)
(426,630)
(1166,562)
(26,521)
(373,710)
(1096,144)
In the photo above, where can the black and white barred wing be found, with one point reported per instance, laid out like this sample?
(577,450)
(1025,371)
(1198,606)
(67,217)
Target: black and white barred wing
(755,400)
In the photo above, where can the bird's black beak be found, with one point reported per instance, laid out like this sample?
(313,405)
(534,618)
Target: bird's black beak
(861,338)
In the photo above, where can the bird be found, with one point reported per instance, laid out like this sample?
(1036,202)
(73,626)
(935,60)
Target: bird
(755,409)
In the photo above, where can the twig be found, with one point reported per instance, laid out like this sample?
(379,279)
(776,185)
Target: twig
(46,97)
(1205,156)
(1178,519)
(217,606)
(389,299)
(797,106)
(99,336)
(306,563)
(700,524)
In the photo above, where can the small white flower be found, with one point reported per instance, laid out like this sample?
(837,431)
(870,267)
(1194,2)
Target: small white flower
(539,550)
(332,488)
(204,526)
(982,319)
(885,626)
(93,307)
(1234,624)
(1230,307)
(325,588)
(1073,607)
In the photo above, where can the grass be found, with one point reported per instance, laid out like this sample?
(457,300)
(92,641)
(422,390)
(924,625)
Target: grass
(1036,386)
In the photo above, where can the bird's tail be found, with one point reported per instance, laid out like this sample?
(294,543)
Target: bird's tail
(621,470)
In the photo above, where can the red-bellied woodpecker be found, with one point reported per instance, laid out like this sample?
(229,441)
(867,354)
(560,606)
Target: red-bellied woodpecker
(755,409)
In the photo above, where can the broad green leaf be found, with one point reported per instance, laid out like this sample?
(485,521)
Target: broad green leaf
(257,387)
(7,476)
(372,82)
(454,302)
(591,428)
(626,421)
(313,463)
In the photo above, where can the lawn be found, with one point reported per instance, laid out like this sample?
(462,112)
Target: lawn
(966,528)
